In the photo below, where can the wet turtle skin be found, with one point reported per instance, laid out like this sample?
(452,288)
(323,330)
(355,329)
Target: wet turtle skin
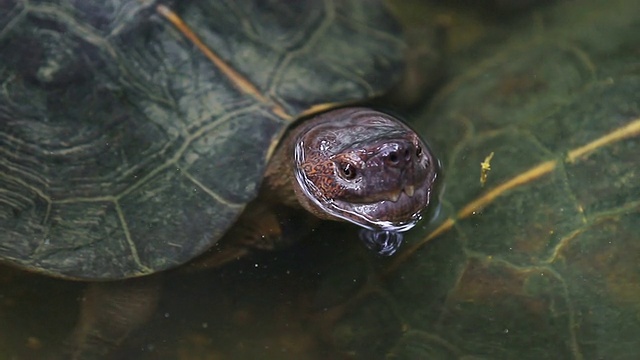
(127,149)
(543,261)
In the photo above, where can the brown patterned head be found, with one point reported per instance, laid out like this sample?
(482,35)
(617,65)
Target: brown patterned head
(365,167)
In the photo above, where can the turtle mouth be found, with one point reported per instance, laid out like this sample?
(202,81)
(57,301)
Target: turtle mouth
(391,211)
(408,190)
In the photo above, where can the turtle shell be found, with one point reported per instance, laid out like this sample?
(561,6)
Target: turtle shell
(543,260)
(134,134)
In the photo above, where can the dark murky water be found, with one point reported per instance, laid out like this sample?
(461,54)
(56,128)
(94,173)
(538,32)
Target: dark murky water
(546,268)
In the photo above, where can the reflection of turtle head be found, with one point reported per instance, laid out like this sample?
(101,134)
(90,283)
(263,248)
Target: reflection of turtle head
(364,167)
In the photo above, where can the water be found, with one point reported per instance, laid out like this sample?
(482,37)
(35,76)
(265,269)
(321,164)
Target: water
(257,308)
(543,267)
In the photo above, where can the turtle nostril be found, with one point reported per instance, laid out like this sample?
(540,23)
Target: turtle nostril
(398,154)
(393,157)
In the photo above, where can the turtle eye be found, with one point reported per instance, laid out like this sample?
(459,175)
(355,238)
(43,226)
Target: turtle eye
(347,171)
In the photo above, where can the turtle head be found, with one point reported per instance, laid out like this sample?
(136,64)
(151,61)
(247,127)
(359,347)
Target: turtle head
(364,167)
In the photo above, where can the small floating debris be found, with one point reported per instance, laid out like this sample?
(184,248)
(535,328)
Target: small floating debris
(485,167)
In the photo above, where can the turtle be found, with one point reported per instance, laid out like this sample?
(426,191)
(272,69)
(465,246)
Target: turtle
(536,252)
(136,134)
